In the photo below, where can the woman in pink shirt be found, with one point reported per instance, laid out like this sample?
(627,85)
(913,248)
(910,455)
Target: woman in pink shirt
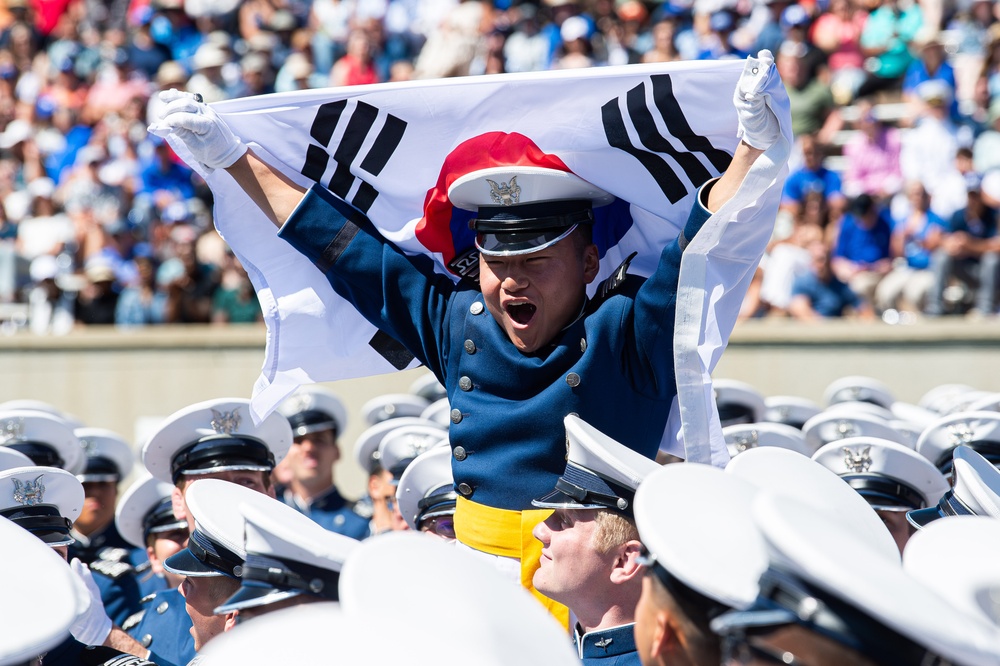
(838,34)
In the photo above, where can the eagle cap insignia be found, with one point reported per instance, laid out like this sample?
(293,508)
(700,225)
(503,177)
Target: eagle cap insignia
(857,460)
(960,433)
(12,430)
(846,429)
(746,441)
(505,194)
(225,423)
(29,493)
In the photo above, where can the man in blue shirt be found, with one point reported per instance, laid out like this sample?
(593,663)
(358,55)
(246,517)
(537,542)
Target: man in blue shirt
(813,178)
(969,252)
(819,294)
(861,257)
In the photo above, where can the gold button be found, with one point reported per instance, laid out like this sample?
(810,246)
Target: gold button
(573,379)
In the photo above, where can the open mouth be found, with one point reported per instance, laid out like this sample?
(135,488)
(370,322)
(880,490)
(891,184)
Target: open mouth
(521,313)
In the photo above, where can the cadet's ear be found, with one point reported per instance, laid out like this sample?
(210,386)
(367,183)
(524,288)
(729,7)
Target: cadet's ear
(627,567)
(665,638)
(230,620)
(177,503)
(591,263)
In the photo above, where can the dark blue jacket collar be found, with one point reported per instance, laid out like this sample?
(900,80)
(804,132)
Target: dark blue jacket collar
(605,642)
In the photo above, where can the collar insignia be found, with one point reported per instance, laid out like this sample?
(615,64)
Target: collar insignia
(12,430)
(29,493)
(960,433)
(845,429)
(857,460)
(505,194)
(605,642)
(225,423)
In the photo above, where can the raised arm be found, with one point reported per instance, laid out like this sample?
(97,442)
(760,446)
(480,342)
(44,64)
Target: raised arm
(758,126)
(212,143)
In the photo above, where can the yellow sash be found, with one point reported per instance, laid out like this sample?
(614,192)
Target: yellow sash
(507,534)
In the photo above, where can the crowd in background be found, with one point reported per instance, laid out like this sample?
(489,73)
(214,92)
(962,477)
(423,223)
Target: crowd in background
(888,211)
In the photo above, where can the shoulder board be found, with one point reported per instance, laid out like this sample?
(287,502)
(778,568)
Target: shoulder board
(127,660)
(113,570)
(363,509)
(111,554)
(133,619)
(146,599)
(613,281)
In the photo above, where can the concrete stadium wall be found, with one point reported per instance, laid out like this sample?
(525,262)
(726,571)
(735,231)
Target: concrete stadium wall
(129,380)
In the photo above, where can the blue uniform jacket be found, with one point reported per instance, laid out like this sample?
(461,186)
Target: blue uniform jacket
(165,628)
(608,647)
(613,366)
(332,512)
(113,562)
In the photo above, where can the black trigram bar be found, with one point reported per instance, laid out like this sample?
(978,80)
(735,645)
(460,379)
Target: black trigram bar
(391,350)
(359,125)
(654,145)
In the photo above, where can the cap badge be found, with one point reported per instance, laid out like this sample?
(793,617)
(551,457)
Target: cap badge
(225,423)
(89,446)
(29,493)
(746,441)
(505,194)
(845,429)
(960,433)
(857,460)
(12,430)
(304,403)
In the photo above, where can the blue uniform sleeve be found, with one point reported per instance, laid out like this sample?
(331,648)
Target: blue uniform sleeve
(402,295)
(652,327)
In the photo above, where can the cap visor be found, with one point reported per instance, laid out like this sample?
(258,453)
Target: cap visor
(184,562)
(54,539)
(254,594)
(923,517)
(557,499)
(752,619)
(507,244)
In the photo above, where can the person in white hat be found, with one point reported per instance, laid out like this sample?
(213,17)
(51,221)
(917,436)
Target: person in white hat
(738,402)
(47,438)
(979,431)
(380,501)
(216,439)
(975,490)
(426,494)
(741,437)
(317,417)
(397,450)
(699,564)
(45,501)
(590,548)
(526,347)
(893,478)
(827,599)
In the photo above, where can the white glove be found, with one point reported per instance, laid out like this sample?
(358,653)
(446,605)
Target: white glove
(93,625)
(758,125)
(202,130)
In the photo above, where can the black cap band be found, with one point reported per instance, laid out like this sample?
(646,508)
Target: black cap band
(101,466)
(287,574)
(532,218)
(987,449)
(221,451)
(733,413)
(161,516)
(438,504)
(312,420)
(215,555)
(42,454)
(43,520)
(588,488)
(883,491)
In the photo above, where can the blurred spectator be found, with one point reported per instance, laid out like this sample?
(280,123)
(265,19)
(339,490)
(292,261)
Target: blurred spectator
(142,302)
(664,47)
(969,255)
(330,21)
(576,50)
(931,65)
(207,79)
(193,284)
(928,150)
(861,256)
(812,105)
(785,262)
(813,178)
(97,299)
(838,34)
(885,43)
(144,53)
(989,76)
(950,191)
(50,307)
(819,294)
(771,33)
(356,67)
(795,21)
(986,149)
(235,301)
(526,49)
(872,156)
(914,235)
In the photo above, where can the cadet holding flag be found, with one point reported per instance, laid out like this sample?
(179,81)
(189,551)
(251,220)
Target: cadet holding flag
(526,345)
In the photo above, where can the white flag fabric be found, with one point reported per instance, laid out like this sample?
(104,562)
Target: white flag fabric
(648,134)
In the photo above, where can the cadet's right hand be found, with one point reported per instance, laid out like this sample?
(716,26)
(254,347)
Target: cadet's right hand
(202,130)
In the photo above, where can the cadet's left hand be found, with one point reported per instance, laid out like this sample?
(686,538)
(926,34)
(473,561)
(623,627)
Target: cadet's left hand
(759,126)
(93,625)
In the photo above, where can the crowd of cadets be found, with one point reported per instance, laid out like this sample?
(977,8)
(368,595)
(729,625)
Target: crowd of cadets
(822,541)
(889,210)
